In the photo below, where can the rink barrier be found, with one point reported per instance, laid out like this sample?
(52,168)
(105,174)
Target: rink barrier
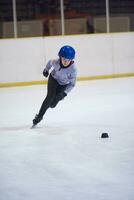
(30,83)
(98,56)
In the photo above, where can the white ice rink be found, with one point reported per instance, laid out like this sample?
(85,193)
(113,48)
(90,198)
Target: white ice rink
(64,158)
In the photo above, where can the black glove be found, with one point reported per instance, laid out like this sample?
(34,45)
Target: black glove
(45,73)
(61,96)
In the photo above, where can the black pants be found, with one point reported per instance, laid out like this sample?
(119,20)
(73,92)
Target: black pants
(53,89)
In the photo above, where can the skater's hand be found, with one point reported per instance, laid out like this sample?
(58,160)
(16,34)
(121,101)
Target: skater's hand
(45,73)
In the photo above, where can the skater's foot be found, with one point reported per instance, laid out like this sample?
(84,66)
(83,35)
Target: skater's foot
(37,119)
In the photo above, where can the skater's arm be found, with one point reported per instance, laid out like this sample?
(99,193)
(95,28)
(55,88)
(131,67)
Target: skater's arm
(72,83)
(47,68)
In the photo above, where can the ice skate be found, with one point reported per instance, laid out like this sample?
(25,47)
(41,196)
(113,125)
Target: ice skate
(36,120)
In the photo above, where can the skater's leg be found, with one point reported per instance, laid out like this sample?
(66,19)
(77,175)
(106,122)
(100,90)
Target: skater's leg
(59,95)
(51,92)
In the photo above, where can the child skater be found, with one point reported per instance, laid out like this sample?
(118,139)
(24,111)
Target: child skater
(61,81)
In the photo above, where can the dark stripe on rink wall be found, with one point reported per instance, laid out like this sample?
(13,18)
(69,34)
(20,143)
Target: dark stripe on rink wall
(29,83)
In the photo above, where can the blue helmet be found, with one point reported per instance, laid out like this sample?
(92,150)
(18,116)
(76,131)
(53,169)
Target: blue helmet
(67,52)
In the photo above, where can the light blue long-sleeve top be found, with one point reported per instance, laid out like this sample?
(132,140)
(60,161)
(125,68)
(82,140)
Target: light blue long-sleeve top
(64,76)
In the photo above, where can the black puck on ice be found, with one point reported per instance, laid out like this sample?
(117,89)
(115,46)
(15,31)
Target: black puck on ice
(104,135)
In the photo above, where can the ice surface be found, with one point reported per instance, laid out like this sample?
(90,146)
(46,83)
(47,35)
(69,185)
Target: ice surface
(64,158)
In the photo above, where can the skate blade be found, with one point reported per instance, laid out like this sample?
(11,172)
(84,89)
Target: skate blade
(33,126)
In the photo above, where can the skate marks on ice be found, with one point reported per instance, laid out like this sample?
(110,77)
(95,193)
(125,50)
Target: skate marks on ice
(39,129)
(13,128)
(84,130)
(66,128)
(18,128)
(49,129)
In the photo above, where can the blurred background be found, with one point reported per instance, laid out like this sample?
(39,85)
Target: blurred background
(30,18)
